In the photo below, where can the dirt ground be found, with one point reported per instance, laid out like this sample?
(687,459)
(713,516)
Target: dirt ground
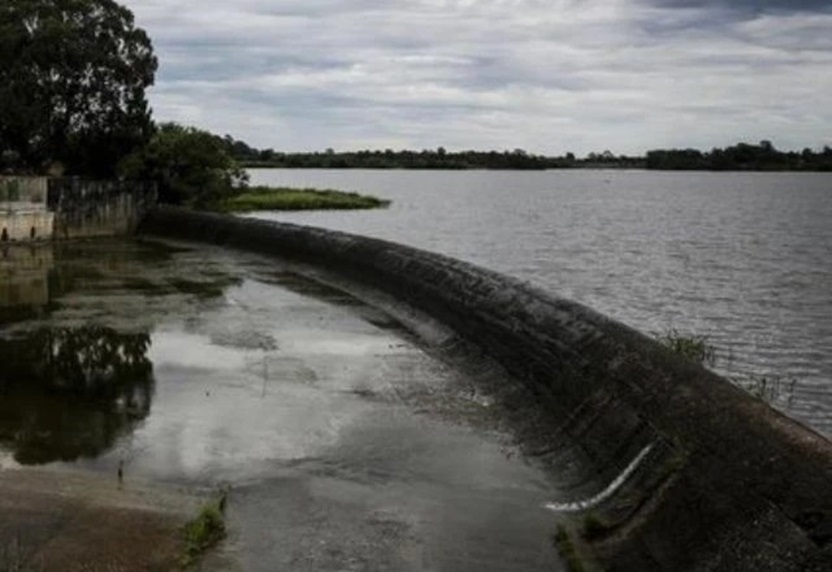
(80,522)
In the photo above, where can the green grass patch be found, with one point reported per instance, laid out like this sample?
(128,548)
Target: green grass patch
(769,388)
(593,527)
(693,348)
(204,532)
(567,550)
(291,199)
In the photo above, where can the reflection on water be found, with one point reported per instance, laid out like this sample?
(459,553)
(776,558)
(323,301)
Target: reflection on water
(24,285)
(205,366)
(70,392)
(75,331)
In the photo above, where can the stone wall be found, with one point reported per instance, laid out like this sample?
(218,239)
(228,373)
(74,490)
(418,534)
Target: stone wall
(722,481)
(40,208)
(98,208)
(23,212)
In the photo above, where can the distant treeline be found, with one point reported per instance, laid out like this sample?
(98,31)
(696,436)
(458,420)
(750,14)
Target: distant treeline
(743,156)
(389,159)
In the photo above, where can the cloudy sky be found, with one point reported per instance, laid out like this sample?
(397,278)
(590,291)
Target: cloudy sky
(548,76)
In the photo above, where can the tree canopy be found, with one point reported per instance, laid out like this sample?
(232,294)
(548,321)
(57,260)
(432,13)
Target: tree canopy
(740,157)
(73,75)
(189,165)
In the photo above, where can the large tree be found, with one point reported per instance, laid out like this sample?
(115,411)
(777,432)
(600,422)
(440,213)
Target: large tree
(73,75)
(190,166)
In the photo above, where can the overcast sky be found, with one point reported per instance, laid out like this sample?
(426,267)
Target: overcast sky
(548,76)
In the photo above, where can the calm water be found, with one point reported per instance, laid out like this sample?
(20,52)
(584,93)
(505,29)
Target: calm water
(342,441)
(745,259)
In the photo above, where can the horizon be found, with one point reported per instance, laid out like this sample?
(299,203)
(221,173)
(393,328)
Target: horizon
(527,151)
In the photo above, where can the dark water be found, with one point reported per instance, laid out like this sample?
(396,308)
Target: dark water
(76,332)
(742,258)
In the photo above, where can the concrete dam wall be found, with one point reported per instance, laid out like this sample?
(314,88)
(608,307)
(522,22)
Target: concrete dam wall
(42,208)
(715,479)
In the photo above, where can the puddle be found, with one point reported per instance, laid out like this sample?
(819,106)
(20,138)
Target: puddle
(203,366)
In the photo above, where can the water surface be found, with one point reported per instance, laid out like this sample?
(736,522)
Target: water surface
(742,258)
(344,444)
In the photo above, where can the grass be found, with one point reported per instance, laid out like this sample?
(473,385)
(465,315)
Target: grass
(693,348)
(204,531)
(567,550)
(769,388)
(291,199)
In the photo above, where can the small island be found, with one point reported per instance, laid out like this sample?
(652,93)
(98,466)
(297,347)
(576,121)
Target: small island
(262,198)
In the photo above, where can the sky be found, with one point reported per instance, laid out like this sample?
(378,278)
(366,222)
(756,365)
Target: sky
(546,76)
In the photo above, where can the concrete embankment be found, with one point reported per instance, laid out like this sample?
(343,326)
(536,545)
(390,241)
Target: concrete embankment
(716,480)
(60,521)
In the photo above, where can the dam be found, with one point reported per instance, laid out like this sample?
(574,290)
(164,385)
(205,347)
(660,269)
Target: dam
(723,482)
(534,417)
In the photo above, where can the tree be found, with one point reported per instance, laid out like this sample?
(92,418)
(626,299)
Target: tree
(190,166)
(73,75)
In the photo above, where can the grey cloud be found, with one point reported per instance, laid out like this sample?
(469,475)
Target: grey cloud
(548,76)
(756,5)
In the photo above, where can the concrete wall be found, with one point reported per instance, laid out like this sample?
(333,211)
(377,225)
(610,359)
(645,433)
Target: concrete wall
(97,208)
(724,482)
(23,212)
(40,208)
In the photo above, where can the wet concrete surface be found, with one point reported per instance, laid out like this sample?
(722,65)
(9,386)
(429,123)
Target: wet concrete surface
(69,521)
(344,444)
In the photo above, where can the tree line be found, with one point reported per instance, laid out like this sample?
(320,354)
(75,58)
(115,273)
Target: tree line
(739,157)
(439,158)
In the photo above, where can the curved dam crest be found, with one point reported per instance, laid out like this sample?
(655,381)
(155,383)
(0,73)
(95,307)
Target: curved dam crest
(726,483)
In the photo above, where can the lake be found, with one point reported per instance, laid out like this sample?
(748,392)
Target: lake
(744,259)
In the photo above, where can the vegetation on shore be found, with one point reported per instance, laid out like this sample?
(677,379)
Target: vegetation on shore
(190,166)
(769,388)
(567,550)
(740,157)
(291,199)
(204,531)
(693,348)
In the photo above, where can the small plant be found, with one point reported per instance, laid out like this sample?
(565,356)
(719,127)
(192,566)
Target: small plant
(205,531)
(770,388)
(693,348)
(567,550)
(593,527)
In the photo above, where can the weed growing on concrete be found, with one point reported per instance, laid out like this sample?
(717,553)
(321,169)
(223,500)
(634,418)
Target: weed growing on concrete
(694,348)
(593,527)
(567,550)
(769,388)
(205,531)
